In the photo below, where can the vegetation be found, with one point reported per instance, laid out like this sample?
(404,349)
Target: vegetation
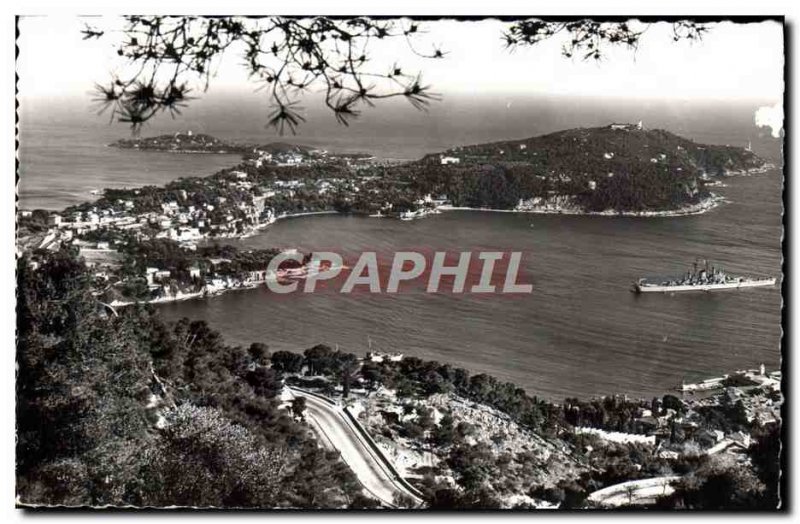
(37,222)
(719,484)
(126,410)
(485,477)
(188,269)
(203,143)
(590,170)
(180,143)
(597,168)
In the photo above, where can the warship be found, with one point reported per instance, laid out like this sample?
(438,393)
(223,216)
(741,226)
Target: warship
(701,278)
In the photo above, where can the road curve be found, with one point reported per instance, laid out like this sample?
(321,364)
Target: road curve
(634,491)
(336,431)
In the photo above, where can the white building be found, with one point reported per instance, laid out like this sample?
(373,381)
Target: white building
(627,127)
(187,234)
(150,275)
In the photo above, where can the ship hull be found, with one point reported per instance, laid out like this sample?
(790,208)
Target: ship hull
(639,288)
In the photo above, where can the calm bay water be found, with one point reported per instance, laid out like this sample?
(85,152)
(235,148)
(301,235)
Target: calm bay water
(581,332)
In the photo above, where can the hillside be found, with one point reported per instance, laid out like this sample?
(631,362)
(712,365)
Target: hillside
(589,169)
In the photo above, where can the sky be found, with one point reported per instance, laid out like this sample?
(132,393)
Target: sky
(733,61)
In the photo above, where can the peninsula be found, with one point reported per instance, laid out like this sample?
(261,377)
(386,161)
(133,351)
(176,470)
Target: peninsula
(143,242)
(206,423)
(616,169)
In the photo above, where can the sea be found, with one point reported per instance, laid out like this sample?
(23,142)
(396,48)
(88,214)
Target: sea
(580,332)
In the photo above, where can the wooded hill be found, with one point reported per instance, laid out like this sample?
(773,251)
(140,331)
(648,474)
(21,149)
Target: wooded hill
(602,168)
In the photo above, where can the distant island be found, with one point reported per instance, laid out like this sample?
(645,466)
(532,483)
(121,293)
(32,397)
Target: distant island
(178,406)
(619,169)
(181,143)
(145,240)
(189,143)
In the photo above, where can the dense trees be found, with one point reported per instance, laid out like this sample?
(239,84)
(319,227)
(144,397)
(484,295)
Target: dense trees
(322,360)
(720,484)
(127,410)
(82,389)
(766,456)
(299,407)
(614,412)
(413,377)
(203,457)
(35,223)
(598,169)
(287,362)
(210,261)
(259,352)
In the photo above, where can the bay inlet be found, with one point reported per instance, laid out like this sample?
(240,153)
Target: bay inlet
(580,332)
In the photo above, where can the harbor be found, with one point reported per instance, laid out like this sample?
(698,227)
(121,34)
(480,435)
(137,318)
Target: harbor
(739,378)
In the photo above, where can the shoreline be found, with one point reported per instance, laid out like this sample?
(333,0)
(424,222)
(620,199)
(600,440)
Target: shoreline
(258,228)
(695,209)
(207,292)
(700,208)
(176,152)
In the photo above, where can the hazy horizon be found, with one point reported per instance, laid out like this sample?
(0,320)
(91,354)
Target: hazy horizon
(63,151)
(457,116)
(475,62)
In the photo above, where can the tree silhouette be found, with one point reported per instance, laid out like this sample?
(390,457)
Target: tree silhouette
(289,56)
(299,407)
(587,39)
(630,490)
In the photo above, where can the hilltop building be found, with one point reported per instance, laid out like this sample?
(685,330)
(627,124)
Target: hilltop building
(627,127)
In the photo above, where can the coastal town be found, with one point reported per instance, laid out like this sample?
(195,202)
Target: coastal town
(271,183)
(425,422)
(383,264)
(278,180)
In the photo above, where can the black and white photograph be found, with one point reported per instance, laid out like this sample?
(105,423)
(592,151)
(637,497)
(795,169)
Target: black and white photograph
(400,263)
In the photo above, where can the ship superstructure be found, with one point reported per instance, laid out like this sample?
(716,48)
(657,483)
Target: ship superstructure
(701,278)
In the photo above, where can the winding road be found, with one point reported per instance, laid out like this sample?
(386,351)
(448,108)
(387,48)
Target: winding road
(644,491)
(337,431)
